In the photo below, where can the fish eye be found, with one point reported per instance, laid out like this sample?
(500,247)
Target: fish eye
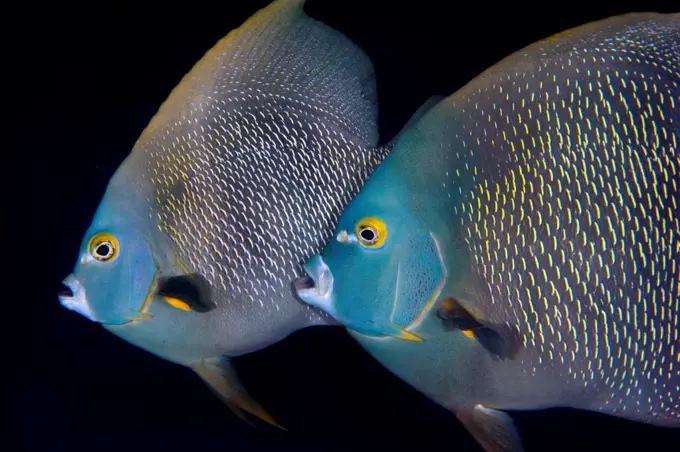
(103,247)
(371,232)
(368,235)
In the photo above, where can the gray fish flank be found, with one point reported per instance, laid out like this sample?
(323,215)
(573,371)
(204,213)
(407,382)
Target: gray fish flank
(572,172)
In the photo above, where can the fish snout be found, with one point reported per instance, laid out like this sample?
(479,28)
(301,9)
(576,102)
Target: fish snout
(316,289)
(73,297)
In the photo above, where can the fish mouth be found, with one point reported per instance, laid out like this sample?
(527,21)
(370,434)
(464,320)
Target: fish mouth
(304,283)
(65,291)
(316,289)
(72,296)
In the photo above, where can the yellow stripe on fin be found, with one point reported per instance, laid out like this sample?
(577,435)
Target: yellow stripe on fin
(469,333)
(177,303)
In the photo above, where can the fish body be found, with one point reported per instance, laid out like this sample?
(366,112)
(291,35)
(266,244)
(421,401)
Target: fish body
(523,237)
(238,178)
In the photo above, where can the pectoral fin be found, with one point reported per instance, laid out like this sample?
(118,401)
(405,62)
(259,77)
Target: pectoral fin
(221,377)
(493,429)
(186,292)
(501,341)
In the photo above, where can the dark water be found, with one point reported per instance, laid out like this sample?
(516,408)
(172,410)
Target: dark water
(84,82)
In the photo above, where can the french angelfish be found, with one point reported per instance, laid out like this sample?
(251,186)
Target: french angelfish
(235,182)
(520,246)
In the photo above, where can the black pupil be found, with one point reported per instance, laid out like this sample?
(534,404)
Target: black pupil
(103,250)
(368,235)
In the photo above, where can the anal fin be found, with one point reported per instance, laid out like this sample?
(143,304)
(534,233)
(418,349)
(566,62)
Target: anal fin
(494,430)
(221,377)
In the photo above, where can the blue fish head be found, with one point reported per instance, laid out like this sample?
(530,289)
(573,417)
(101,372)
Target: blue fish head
(383,269)
(114,276)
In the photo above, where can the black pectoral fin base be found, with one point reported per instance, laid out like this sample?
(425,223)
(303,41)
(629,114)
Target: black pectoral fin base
(192,289)
(500,340)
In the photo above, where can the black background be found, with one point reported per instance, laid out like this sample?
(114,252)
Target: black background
(81,82)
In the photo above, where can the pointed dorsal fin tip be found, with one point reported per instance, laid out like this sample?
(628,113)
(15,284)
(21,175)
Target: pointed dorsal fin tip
(319,73)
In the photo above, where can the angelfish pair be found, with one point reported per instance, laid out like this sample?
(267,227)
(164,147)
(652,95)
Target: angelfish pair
(531,217)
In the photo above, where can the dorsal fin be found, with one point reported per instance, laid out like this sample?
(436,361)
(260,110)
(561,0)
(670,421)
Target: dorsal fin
(412,121)
(281,57)
(421,111)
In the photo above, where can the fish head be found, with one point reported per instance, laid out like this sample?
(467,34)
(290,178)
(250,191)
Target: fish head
(129,278)
(112,282)
(382,270)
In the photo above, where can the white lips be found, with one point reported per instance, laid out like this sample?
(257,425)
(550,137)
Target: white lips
(321,294)
(78,302)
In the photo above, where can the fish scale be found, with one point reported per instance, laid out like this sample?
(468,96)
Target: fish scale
(586,212)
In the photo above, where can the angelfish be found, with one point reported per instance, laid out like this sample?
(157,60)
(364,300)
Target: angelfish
(520,246)
(235,182)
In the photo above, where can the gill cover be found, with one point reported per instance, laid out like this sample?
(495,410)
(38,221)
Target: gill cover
(421,277)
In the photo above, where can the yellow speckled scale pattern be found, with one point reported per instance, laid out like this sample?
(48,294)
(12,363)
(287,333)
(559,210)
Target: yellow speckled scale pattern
(567,176)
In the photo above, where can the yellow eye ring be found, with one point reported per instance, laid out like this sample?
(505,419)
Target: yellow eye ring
(103,247)
(371,233)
